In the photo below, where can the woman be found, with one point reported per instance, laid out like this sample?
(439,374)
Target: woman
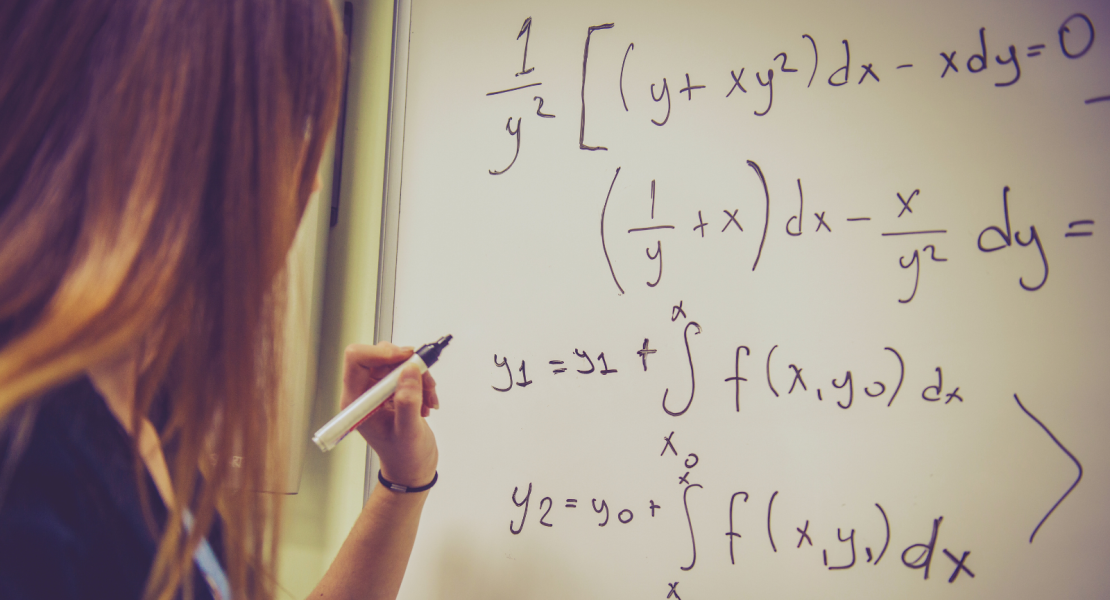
(155,159)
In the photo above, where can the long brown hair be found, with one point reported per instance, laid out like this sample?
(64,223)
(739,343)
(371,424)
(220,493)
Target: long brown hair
(155,159)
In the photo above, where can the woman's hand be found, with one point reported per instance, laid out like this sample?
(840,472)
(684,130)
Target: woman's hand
(396,430)
(372,560)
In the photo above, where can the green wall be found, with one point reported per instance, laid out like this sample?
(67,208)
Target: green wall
(317,519)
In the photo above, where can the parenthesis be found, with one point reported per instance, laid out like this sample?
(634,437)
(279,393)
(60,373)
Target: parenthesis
(769,384)
(887,542)
(901,374)
(766,213)
(630,47)
(603,249)
(769,535)
(806,35)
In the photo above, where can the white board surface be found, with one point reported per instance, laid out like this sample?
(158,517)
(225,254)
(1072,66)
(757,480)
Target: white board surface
(735,257)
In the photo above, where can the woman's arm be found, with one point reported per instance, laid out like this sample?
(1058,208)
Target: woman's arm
(372,561)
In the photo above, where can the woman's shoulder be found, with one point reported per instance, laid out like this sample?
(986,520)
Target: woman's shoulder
(70,513)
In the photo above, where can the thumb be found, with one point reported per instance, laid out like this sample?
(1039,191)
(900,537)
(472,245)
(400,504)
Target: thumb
(408,398)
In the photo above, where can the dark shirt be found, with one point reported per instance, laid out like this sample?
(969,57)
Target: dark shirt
(71,522)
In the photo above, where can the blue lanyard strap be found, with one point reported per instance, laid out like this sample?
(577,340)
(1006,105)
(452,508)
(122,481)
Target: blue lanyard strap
(208,563)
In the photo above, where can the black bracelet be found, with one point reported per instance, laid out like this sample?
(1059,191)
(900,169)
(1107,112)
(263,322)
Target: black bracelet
(396,487)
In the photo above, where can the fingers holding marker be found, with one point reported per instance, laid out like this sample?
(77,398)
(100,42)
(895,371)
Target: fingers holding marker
(364,365)
(382,354)
(431,399)
(408,399)
(373,375)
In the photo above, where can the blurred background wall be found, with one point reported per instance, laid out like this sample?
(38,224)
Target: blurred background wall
(338,287)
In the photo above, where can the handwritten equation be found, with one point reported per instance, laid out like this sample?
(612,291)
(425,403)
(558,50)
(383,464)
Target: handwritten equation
(1073,40)
(842,546)
(992,238)
(854,545)
(840,391)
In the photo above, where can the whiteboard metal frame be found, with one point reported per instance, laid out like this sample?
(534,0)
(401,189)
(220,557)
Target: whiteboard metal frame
(391,192)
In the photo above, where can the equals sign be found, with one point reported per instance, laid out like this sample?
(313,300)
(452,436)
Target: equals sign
(572,503)
(557,362)
(1079,233)
(1035,50)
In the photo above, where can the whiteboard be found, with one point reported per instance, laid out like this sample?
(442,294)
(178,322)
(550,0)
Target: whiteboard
(761,299)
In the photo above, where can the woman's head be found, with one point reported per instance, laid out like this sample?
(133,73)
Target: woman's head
(155,159)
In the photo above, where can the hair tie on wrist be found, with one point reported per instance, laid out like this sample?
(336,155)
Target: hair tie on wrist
(396,487)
